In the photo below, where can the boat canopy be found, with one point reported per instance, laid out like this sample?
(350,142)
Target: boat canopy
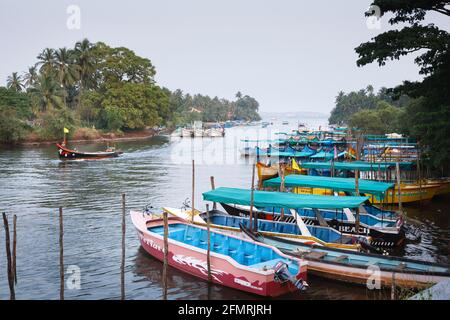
(354,165)
(262,199)
(341,184)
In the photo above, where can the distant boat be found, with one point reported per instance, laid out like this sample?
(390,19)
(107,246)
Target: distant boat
(66,153)
(186,132)
(237,263)
(285,123)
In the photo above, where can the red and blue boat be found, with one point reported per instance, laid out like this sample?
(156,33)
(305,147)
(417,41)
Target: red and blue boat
(238,263)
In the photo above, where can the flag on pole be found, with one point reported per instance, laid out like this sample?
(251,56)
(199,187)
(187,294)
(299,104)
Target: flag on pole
(66,130)
(295,166)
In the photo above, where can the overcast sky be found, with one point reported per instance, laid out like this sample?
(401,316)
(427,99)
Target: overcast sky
(290,55)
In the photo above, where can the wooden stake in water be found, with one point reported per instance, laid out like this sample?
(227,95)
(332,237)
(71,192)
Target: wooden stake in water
(213,187)
(193,190)
(14,253)
(166,253)
(393,286)
(61,254)
(251,198)
(208,253)
(122,264)
(12,293)
(399,191)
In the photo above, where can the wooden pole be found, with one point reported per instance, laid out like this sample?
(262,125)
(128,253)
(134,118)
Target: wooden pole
(166,254)
(61,254)
(393,286)
(208,255)
(14,253)
(251,197)
(358,154)
(122,265)
(399,192)
(282,187)
(193,190)
(10,272)
(213,187)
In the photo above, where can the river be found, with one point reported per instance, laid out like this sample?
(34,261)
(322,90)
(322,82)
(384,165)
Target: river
(34,183)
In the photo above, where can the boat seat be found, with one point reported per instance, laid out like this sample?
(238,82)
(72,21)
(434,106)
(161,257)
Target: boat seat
(340,258)
(315,255)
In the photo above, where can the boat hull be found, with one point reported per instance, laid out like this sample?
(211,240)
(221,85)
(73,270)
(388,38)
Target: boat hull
(65,153)
(408,193)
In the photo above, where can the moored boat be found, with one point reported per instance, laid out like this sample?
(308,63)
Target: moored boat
(235,262)
(360,268)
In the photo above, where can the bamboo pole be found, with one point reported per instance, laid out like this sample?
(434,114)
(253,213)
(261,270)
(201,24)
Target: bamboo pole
(14,253)
(122,265)
(208,254)
(61,254)
(251,198)
(213,187)
(399,192)
(282,187)
(10,272)
(393,286)
(193,190)
(166,254)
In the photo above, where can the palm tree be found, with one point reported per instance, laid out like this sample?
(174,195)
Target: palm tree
(84,60)
(14,82)
(66,70)
(48,92)
(46,61)
(30,77)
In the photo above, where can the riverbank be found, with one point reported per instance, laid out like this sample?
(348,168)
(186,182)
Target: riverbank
(98,137)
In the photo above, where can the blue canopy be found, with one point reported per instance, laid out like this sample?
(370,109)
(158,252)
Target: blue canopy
(264,199)
(360,165)
(338,184)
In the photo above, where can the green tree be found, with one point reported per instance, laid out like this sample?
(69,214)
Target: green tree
(428,114)
(48,93)
(30,77)
(46,61)
(14,82)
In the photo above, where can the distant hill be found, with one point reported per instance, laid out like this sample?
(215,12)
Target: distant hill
(296,115)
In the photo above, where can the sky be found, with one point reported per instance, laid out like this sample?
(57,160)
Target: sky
(291,55)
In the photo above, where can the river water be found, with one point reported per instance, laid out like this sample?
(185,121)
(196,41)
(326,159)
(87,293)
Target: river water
(34,183)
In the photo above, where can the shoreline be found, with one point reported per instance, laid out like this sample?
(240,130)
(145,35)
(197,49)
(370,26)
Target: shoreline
(130,136)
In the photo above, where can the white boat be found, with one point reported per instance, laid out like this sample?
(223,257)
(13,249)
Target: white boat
(215,132)
(186,132)
(198,132)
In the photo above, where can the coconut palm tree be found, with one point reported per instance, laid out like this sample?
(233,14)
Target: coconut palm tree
(30,76)
(66,70)
(48,92)
(84,60)
(14,82)
(46,61)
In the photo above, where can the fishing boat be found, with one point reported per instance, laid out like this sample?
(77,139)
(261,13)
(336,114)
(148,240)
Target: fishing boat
(230,224)
(359,268)
(385,227)
(265,171)
(73,154)
(285,123)
(177,133)
(237,263)
(296,228)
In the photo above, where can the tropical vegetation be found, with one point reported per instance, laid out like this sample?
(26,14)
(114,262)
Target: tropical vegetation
(94,88)
(426,114)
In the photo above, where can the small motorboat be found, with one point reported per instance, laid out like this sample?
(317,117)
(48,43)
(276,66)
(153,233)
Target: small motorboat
(71,154)
(235,262)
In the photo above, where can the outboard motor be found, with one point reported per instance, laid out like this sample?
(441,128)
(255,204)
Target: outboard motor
(283,275)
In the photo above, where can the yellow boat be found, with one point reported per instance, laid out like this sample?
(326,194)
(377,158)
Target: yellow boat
(409,192)
(444,185)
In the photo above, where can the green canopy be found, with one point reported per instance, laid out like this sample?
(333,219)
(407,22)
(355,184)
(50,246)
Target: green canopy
(338,184)
(264,199)
(361,166)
